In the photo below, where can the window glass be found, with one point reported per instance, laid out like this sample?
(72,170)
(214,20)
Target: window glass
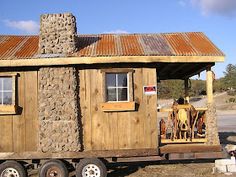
(122,94)
(111,94)
(111,80)
(6,91)
(116,87)
(122,80)
(7,83)
(7,98)
(1,84)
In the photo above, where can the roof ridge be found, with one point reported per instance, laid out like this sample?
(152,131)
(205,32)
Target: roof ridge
(16,35)
(139,33)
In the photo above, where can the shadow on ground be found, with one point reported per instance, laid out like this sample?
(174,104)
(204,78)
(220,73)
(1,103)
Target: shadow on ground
(227,137)
(126,169)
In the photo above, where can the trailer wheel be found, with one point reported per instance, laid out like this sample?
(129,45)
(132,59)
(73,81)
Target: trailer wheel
(91,168)
(53,168)
(12,169)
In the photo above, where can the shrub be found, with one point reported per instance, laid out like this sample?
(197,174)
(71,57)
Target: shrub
(232,100)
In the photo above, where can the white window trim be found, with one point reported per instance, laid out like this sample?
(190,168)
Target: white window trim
(10,109)
(117,87)
(2,91)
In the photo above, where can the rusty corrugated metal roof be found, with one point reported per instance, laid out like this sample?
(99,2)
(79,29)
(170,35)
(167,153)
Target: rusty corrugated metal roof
(17,47)
(166,44)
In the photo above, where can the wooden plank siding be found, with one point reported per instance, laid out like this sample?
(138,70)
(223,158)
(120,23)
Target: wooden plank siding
(19,133)
(118,130)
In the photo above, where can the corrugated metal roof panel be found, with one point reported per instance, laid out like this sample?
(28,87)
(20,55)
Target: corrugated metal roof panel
(202,44)
(29,48)
(87,45)
(155,45)
(180,44)
(9,46)
(130,45)
(106,46)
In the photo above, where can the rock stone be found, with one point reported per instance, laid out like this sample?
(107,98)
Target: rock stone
(58,110)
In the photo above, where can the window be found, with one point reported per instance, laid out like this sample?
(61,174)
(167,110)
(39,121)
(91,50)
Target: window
(117,87)
(118,90)
(6,91)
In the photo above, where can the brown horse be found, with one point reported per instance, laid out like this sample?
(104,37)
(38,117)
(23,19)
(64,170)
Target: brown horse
(201,124)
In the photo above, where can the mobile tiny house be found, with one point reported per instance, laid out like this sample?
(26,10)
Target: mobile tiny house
(78,98)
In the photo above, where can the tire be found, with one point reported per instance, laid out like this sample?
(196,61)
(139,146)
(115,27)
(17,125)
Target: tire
(91,168)
(13,169)
(53,168)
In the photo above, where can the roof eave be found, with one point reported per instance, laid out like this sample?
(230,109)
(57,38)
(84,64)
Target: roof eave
(113,59)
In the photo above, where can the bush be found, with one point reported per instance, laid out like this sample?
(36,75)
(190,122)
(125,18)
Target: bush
(231,92)
(232,100)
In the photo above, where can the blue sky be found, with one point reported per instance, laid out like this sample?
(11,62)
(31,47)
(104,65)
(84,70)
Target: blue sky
(216,18)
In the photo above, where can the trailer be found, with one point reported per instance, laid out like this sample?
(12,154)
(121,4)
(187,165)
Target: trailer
(82,101)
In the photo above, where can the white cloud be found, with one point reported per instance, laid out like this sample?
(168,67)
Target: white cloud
(220,7)
(118,31)
(182,3)
(30,26)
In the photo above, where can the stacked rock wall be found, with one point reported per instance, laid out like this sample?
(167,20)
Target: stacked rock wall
(211,126)
(58,110)
(58,34)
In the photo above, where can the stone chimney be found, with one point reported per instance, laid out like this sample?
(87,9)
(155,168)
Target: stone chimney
(58,34)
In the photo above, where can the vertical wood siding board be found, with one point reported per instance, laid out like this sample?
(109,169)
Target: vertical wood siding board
(31,110)
(108,123)
(6,134)
(123,136)
(154,120)
(19,120)
(142,117)
(88,76)
(148,107)
(82,105)
(96,124)
(137,119)
(87,115)
(144,111)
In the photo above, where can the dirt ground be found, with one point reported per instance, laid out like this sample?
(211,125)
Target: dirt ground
(177,169)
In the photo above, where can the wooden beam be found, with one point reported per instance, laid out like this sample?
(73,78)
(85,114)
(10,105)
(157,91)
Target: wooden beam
(186,87)
(198,155)
(170,109)
(209,84)
(177,141)
(116,59)
(118,106)
(177,68)
(178,148)
(78,155)
(196,70)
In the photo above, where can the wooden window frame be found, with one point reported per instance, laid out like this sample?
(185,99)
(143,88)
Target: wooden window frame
(116,106)
(10,109)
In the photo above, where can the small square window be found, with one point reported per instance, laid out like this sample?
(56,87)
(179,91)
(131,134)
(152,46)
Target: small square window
(118,90)
(6,91)
(117,87)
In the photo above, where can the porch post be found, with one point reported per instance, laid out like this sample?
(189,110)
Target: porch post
(186,86)
(211,120)
(209,84)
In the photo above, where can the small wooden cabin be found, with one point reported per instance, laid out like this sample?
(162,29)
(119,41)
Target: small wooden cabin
(69,96)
